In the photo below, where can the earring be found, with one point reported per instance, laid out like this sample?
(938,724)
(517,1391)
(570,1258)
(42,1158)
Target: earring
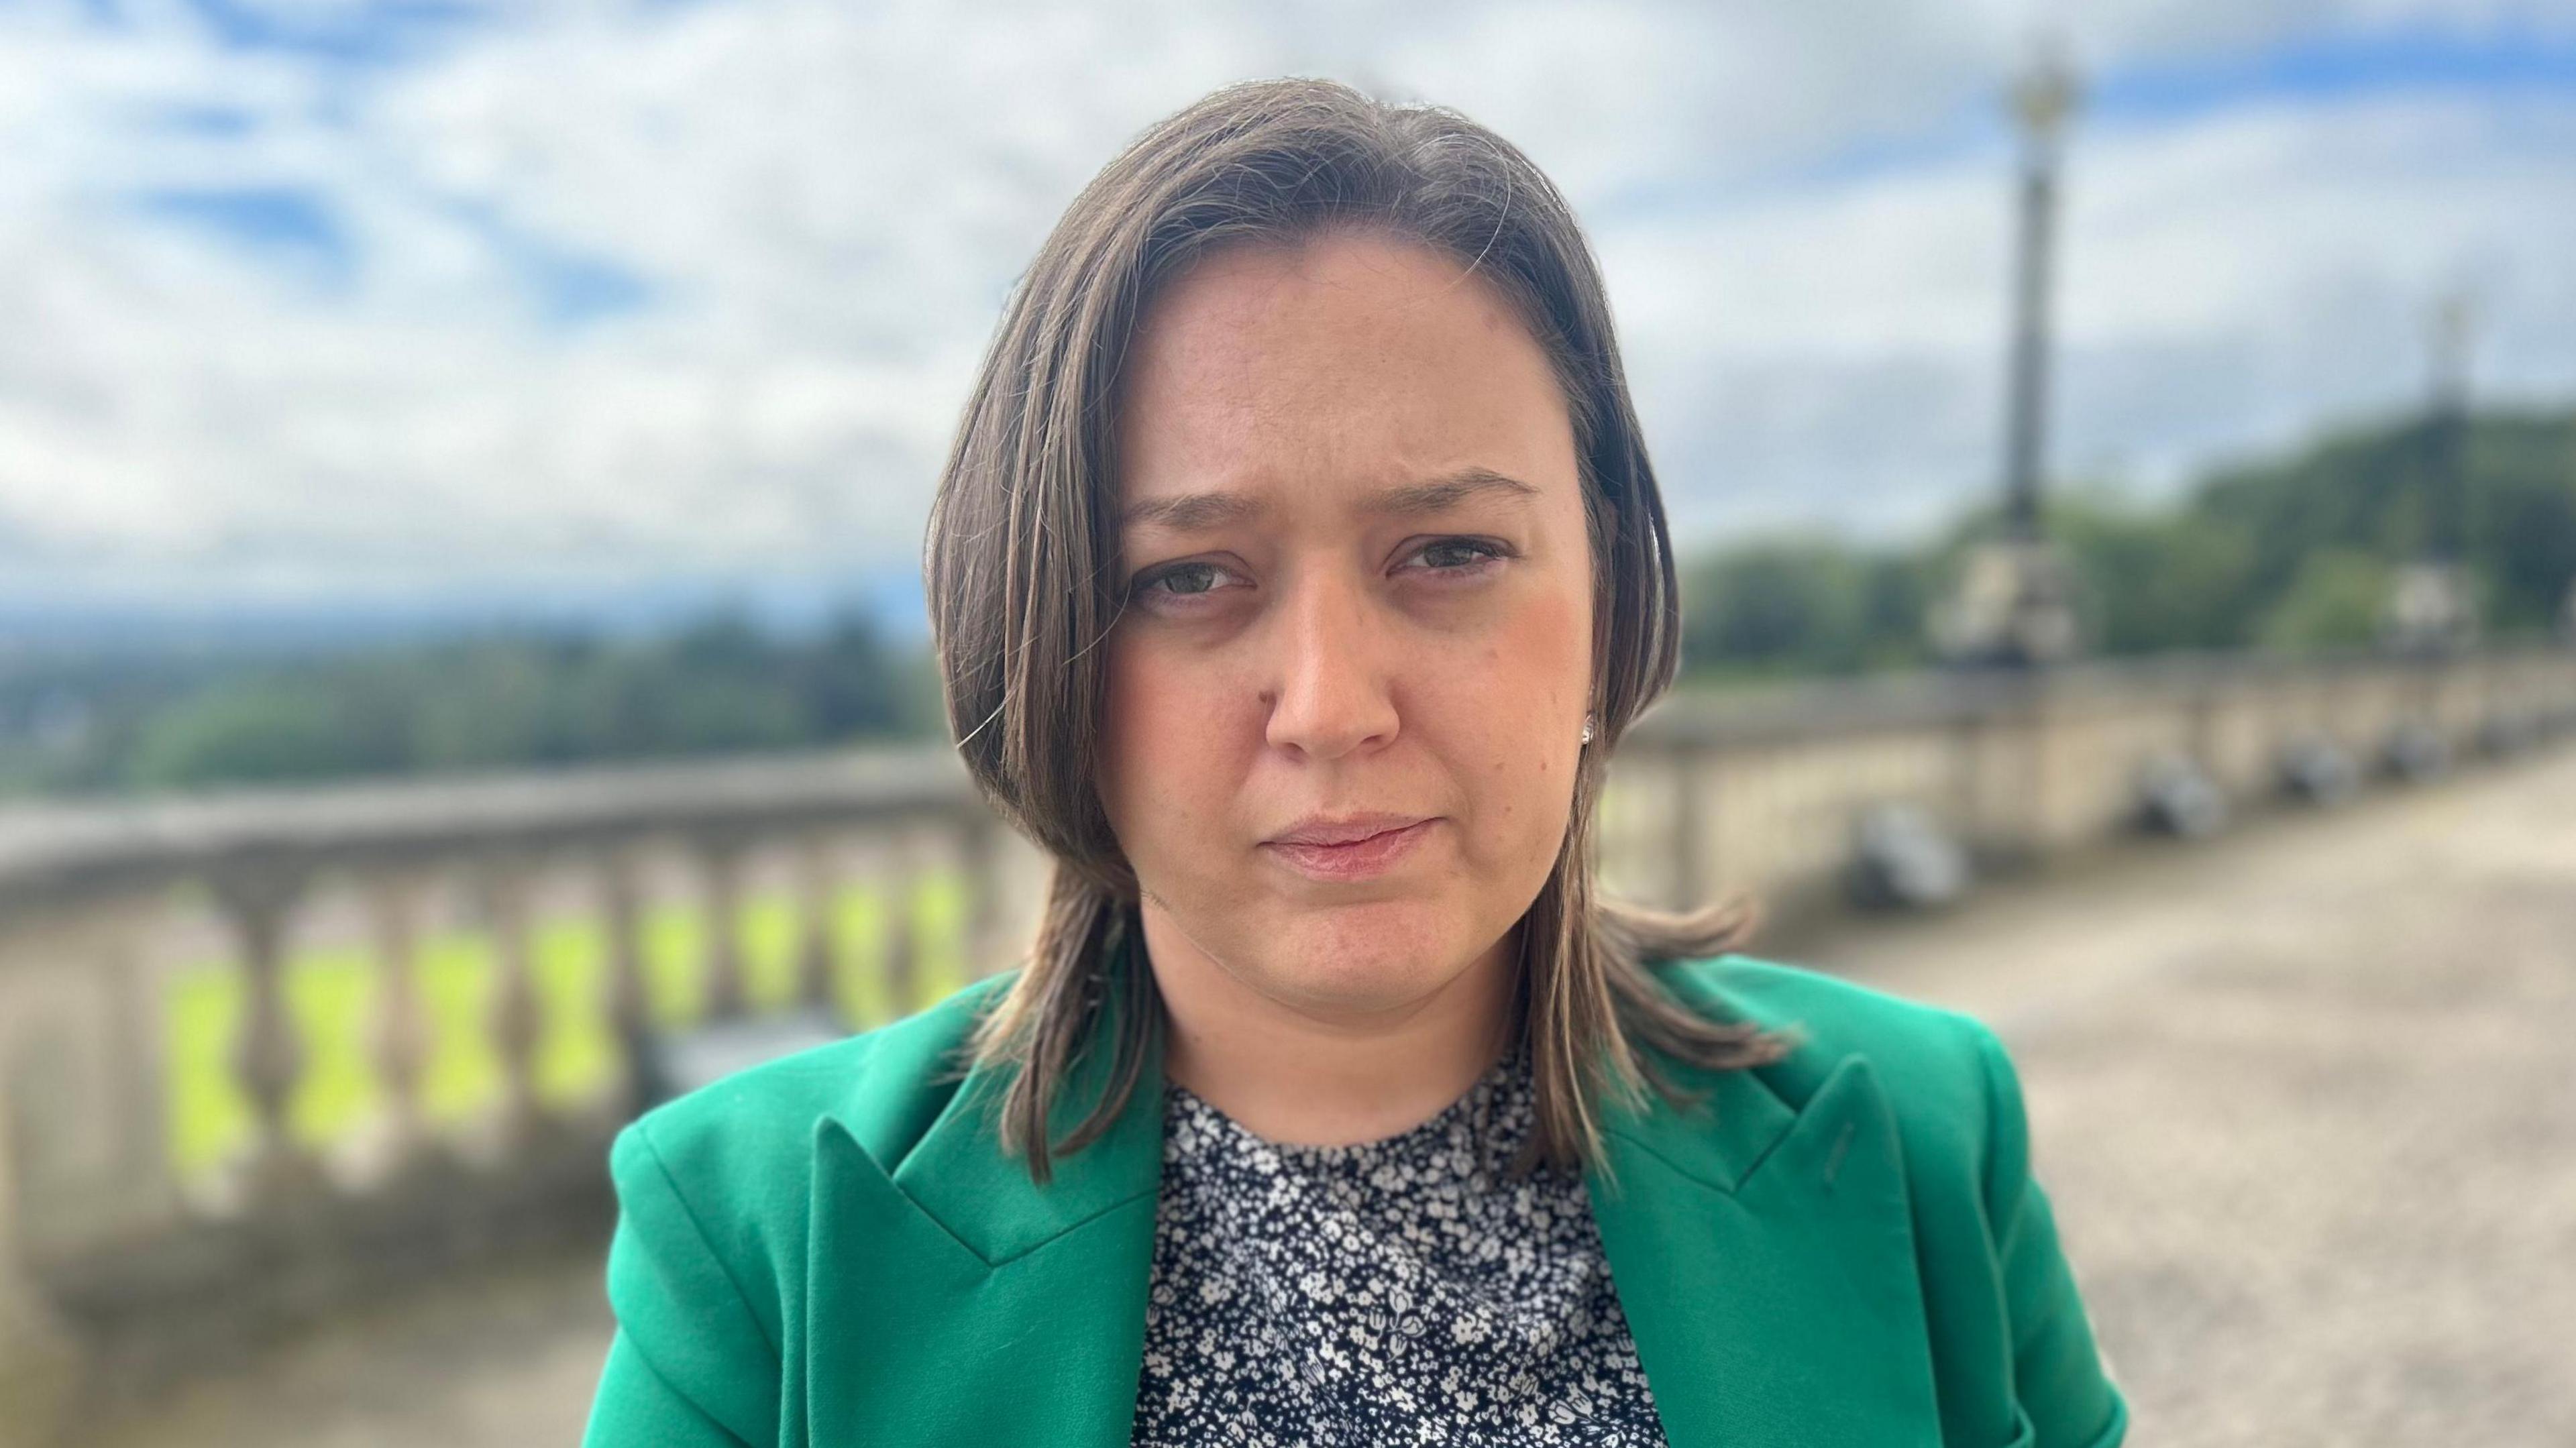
(1587,728)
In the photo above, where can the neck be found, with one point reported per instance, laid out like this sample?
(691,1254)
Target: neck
(1316,1074)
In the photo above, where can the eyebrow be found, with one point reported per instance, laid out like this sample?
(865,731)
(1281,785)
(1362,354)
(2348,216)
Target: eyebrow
(1197,512)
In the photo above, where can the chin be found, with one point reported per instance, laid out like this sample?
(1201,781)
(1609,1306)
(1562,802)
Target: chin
(1370,956)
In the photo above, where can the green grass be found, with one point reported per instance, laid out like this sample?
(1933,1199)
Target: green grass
(332,996)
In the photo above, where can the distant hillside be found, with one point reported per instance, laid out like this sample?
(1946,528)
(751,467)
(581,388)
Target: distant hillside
(2372,494)
(140,720)
(2290,552)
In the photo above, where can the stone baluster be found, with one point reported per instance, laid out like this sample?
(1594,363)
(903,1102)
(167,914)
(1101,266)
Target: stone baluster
(630,1011)
(979,855)
(2200,729)
(720,869)
(84,1079)
(397,907)
(1687,851)
(818,955)
(2006,738)
(2424,691)
(900,962)
(515,1020)
(38,1355)
(258,898)
(138,1080)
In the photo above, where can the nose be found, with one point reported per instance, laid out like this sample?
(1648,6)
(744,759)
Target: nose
(1329,666)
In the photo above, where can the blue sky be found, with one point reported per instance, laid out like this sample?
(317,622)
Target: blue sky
(2326,68)
(327,300)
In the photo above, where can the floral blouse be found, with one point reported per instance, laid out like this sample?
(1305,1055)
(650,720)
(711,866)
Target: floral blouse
(1401,1291)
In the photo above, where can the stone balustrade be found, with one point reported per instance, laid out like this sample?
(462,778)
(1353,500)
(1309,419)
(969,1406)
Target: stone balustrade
(119,1254)
(1714,794)
(124,1256)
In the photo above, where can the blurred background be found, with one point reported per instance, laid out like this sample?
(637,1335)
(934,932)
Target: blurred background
(463,672)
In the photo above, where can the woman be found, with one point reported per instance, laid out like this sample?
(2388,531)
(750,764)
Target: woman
(1297,564)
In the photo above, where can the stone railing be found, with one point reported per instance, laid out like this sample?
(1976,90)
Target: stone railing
(120,1257)
(409,943)
(1760,793)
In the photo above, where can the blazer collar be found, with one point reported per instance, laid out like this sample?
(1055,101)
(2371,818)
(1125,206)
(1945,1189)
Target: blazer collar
(960,1176)
(955,1170)
(951,1299)
(1763,1251)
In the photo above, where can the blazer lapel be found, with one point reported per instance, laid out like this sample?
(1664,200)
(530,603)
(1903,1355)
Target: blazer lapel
(968,1305)
(1764,1256)
(1765,1261)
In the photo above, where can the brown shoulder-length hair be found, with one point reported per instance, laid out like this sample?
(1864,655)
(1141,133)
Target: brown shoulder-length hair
(1021,568)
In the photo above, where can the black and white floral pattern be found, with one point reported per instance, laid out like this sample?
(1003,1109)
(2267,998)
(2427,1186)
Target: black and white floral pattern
(1402,1291)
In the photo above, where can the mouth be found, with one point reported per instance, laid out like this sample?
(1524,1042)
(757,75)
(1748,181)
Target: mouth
(1349,849)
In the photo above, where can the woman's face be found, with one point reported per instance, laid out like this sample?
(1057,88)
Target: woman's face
(1359,595)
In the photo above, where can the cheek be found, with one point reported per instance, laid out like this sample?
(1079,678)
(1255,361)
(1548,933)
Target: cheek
(1162,746)
(1516,705)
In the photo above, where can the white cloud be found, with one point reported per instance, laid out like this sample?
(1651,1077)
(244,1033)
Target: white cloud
(1835,355)
(825,203)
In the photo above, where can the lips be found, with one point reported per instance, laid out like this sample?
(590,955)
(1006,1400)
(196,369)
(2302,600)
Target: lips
(1349,849)
(1342,829)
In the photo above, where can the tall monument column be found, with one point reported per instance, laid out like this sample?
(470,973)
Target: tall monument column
(2431,608)
(2014,603)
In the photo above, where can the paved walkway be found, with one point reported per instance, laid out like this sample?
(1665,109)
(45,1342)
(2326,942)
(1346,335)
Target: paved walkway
(496,1363)
(2306,1099)
(2307,1105)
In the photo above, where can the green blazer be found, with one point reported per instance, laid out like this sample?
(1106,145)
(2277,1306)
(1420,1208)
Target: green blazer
(1846,1247)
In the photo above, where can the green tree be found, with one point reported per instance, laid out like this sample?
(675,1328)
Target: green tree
(2156,578)
(268,730)
(2334,601)
(1800,604)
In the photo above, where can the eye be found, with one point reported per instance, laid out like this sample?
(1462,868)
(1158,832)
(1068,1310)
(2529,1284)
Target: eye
(1189,580)
(1467,556)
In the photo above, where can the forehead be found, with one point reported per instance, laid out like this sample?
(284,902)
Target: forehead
(1350,361)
